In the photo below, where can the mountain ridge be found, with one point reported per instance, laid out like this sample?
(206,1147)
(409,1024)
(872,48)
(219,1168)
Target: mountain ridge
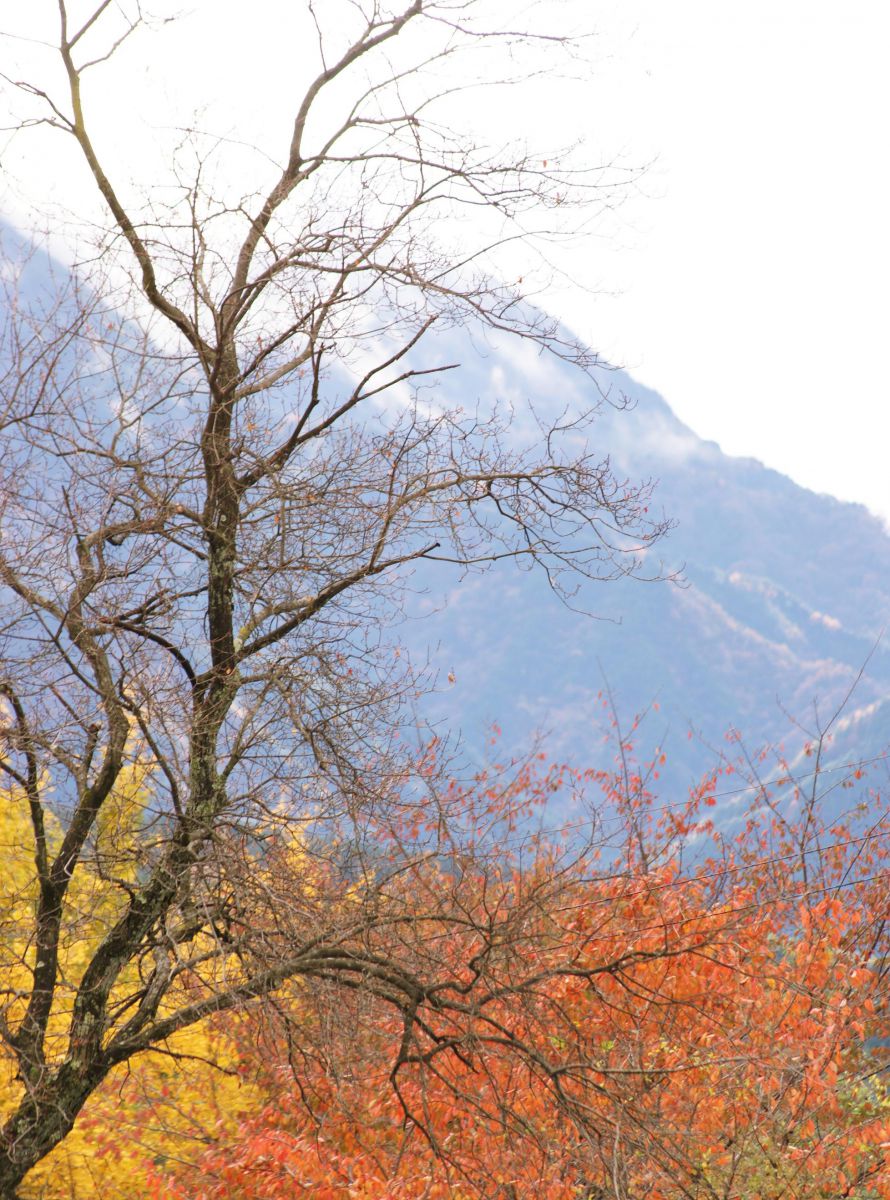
(785,596)
(786,590)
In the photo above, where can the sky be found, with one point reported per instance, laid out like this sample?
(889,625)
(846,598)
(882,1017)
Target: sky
(744,276)
(753,275)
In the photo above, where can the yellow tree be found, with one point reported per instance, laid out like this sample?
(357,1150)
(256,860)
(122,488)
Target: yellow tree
(170,1103)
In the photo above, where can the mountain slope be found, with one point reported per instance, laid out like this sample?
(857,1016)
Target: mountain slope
(783,597)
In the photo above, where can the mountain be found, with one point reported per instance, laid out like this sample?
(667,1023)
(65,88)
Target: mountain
(780,605)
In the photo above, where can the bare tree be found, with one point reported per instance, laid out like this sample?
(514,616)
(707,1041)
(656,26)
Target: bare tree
(209,505)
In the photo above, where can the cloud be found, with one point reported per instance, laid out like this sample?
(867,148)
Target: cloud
(826,620)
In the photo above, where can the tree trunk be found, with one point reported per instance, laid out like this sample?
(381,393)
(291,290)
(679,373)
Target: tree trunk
(40,1123)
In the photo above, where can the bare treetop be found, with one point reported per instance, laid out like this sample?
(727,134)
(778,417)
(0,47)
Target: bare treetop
(208,500)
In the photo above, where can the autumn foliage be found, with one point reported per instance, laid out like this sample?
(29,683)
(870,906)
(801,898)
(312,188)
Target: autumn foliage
(673,1012)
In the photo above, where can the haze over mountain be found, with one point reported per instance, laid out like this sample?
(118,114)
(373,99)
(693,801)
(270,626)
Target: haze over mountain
(783,600)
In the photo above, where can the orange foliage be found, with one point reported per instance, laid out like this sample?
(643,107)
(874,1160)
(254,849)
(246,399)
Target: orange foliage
(655,1027)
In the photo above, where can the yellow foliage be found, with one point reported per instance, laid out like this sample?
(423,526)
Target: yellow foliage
(93,903)
(165,1104)
(161,1107)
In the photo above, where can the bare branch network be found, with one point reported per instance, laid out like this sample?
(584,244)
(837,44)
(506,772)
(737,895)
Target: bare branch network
(208,507)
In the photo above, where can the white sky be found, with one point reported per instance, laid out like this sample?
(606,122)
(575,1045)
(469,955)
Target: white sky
(755,287)
(745,278)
